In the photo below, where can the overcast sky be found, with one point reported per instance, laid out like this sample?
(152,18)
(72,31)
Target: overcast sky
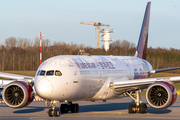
(58,20)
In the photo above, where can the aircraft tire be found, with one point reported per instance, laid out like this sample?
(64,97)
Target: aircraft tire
(56,112)
(132,108)
(64,108)
(75,108)
(50,113)
(142,108)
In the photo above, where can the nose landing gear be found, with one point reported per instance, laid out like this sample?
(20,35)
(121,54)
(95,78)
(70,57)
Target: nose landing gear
(52,111)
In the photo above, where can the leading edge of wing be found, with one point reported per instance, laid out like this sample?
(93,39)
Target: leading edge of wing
(15,76)
(128,85)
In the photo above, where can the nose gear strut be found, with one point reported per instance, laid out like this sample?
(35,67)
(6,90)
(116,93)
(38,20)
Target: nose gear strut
(52,111)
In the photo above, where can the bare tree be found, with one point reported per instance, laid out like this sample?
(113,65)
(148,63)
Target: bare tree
(36,42)
(46,42)
(10,42)
(20,42)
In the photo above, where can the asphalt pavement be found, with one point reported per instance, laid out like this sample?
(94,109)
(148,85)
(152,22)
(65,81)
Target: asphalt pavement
(111,109)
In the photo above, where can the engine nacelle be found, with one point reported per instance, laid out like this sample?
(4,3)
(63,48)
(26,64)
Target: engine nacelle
(161,95)
(18,94)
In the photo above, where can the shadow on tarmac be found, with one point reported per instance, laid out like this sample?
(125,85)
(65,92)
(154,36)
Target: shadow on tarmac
(95,108)
(158,111)
(31,109)
(119,106)
(105,107)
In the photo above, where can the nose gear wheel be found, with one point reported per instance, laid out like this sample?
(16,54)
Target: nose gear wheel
(52,112)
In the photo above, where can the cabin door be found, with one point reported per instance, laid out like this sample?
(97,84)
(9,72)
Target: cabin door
(74,73)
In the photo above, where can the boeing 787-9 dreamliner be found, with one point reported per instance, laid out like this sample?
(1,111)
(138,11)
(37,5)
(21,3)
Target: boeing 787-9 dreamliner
(69,78)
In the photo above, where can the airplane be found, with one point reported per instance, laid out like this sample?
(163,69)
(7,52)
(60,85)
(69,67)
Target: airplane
(69,78)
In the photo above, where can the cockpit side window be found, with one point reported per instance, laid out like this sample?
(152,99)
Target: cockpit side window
(58,73)
(42,72)
(38,73)
(50,72)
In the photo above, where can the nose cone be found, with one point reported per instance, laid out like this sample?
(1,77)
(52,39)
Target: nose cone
(43,88)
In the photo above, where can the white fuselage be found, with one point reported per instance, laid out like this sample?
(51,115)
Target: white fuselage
(86,77)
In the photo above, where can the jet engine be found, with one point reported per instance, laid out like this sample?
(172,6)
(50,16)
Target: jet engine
(18,94)
(161,95)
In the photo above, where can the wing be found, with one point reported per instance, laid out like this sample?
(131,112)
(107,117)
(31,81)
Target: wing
(163,70)
(14,77)
(123,86)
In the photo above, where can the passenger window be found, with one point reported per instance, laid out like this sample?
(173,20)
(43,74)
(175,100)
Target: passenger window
(58,73)
(51,72)
(42,72)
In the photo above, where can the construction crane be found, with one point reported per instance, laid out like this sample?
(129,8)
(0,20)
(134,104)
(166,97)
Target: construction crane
(97,24)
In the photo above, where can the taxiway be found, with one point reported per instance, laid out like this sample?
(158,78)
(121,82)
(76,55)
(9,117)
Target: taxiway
(112,109)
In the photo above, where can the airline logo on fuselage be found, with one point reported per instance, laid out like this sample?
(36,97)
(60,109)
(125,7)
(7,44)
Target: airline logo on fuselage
(85,65)
(139,75)
(103,65)
(106,65)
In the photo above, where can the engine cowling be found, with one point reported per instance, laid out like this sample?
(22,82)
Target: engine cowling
(161,95)
(18,94)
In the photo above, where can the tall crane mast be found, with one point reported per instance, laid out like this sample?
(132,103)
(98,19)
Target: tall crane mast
(97,24)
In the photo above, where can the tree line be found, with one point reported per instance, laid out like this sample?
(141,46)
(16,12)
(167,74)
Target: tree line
(21,54)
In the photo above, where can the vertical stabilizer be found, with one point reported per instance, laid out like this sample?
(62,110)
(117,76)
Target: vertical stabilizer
(143,38)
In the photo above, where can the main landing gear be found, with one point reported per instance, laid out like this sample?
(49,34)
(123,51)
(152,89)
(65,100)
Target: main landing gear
(138,107)
(74,108)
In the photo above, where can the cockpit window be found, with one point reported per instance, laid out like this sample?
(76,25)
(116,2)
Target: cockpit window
(42,72)
(38,73)
(58,73)
(50,72)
